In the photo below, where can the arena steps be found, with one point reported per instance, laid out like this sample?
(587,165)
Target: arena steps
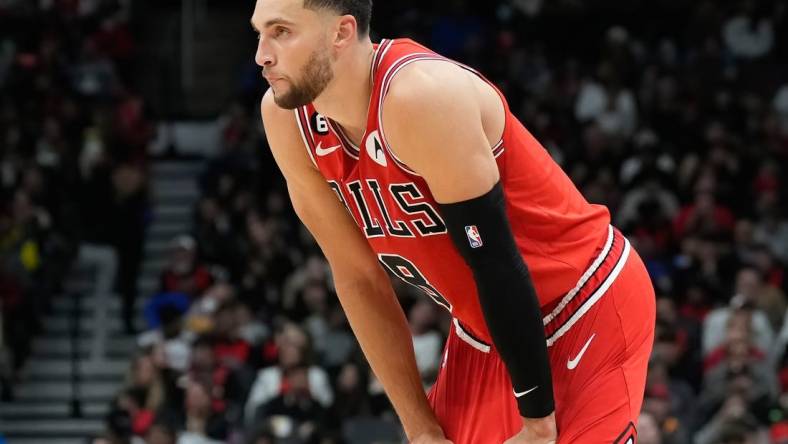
(41,411)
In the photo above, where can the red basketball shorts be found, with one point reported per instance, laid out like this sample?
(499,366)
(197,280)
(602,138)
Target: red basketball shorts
(599,339)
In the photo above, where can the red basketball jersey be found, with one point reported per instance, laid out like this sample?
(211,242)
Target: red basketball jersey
(557,231)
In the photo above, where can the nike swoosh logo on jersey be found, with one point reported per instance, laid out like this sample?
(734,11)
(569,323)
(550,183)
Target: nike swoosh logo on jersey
(521,394)
(325,151)
(572,363)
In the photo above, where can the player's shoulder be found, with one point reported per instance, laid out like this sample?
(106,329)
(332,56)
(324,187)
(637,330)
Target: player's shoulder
(422,83)
(426,91)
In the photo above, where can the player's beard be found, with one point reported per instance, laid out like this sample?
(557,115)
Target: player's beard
(315,77)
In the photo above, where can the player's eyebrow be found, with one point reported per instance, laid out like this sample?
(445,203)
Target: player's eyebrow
(272,22)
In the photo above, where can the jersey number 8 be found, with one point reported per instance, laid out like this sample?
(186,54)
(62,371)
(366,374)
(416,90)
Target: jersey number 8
(407,271)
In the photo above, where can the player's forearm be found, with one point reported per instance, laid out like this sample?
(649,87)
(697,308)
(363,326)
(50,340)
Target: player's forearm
(382,331)
(480,230)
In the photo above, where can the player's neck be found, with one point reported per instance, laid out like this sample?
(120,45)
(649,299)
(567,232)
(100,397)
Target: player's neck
(346,99)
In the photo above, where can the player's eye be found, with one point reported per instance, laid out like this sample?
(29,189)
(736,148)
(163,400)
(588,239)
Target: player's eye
(281,32)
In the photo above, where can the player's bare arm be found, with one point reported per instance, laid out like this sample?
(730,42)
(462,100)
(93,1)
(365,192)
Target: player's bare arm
(452,151)
(364,289)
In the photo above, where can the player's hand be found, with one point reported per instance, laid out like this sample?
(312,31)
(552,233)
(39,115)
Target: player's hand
(536,431)
(431,438)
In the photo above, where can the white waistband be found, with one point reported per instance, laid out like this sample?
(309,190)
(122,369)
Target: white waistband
(462,334)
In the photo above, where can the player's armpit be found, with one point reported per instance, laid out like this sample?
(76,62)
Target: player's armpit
(363,288)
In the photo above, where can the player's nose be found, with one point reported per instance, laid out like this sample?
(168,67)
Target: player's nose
(264,56)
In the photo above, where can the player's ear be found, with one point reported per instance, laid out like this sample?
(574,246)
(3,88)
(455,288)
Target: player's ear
(347,31)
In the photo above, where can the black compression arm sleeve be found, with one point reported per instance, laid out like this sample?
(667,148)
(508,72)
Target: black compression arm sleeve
(480,230)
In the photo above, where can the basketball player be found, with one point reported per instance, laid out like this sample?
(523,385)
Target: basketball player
(400,160)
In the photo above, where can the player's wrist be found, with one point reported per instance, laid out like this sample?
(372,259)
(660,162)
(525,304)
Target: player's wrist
(421,422)
(428,435)
(542,427)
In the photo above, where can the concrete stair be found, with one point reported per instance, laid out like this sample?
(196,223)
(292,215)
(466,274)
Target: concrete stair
(41,411)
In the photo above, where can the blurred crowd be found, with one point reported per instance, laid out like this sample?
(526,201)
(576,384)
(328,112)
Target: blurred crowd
(672,113)
(73,139)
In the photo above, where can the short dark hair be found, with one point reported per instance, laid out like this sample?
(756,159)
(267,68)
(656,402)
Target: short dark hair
(360,9)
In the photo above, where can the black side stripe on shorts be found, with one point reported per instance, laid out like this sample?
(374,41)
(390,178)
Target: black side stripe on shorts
(628,436)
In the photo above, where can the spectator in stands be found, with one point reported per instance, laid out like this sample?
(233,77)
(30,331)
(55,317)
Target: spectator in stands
(742,384)
(779,432)
(134,401)
(294,412)
(129,210)
(201,423)
(119,428)
(145,377)
(333,341)
(773,232)
(314,271)
(742,313)
(606,102)
(749,34)
(93,75)
(250,329)
(670,403)
(677,342)
(227,362)
(704,216)
(766,295)
(170,342)
(780,356)
(18,259)
(232,351)
(427,342)
(160,433)
(293,347)
(772,272)
(646,204)
(269,262)
(648,429)
(732,424)
(184,274)
(263,436)
(352,400)
(218,242)
(738,343)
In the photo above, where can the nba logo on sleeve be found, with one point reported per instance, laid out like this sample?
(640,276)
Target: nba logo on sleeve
(473,236)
